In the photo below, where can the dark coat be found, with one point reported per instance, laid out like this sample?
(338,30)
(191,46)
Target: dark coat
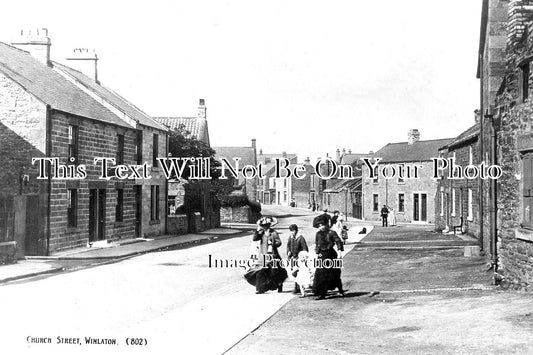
(325,240)
(295,245)
(266,236)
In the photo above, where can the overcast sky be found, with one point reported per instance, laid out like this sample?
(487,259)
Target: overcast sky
(304,77)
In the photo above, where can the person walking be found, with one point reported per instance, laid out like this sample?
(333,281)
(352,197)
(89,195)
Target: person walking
(271,275)
(384,216)
(295,245)
(392,217)
(327,274)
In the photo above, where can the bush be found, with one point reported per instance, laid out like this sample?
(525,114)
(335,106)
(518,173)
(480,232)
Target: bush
(239,201)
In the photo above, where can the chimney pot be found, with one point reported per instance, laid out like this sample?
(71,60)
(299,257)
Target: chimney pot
(36,42)
(202,110)
(85,61)
(284,154)
(413,136)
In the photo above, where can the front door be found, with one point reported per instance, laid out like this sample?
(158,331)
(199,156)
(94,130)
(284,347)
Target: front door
(420,207)
(138,211)
(96,214)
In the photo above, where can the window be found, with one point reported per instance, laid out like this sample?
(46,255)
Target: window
(470,155)
(285,182)
(120,149)
(375,204)
(375,181)
(401,203)
(139,147)
(523,89)
(313,181)
(401,168)
(155,150)
(453,202)
(154,203)
(72,209)
(470,207)
(527,190)
(271,183)
(73,144)
(284,196)
(119,208)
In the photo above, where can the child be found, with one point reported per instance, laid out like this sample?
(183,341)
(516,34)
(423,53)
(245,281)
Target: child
(304,272)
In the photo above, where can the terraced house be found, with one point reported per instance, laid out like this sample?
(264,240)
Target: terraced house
(411,194)
(51,110)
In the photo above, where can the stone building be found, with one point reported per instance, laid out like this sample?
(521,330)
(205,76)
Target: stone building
(43,114)
(457,206)
(151,139)
(343,194)
(273,189)
(240,203)
(247,157)
(302,188)
(505,55)
(191,205)
(403,180)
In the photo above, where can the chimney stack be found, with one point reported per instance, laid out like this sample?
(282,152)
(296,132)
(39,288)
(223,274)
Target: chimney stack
(477,116)
(36,42)
(284,154)
(338,155)
(202,110)
(307,161)
(413,136)
(349,151)
(253,143)
(85,61)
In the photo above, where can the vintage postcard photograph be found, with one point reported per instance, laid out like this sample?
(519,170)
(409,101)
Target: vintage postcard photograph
(266,177)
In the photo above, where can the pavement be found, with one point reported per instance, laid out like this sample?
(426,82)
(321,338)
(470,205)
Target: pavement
(78,258)
(404,297)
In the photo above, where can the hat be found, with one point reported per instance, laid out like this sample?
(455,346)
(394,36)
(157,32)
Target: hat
(264,222)
(293,227)
(320,220)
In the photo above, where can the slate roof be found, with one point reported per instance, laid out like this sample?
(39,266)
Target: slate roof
(247,154)
(351,158)
(262,157)
(350,184)
(470,134)
(50,87)
(113,98)
(404,152)
(197,127)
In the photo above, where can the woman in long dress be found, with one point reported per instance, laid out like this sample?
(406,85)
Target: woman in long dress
(392,217)
(326,278)
(271,274)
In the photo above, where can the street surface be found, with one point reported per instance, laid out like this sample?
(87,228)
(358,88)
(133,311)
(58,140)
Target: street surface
(410,291)
(172,299)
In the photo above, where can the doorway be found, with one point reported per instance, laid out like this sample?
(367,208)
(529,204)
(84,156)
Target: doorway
(97,210)
(420,207)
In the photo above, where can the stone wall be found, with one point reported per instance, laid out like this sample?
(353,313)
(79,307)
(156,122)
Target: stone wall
(242,214)
(388,191)
(95,140)
(178,224)
(445,213)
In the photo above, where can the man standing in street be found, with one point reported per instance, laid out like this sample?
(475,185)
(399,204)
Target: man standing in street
(384,216)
